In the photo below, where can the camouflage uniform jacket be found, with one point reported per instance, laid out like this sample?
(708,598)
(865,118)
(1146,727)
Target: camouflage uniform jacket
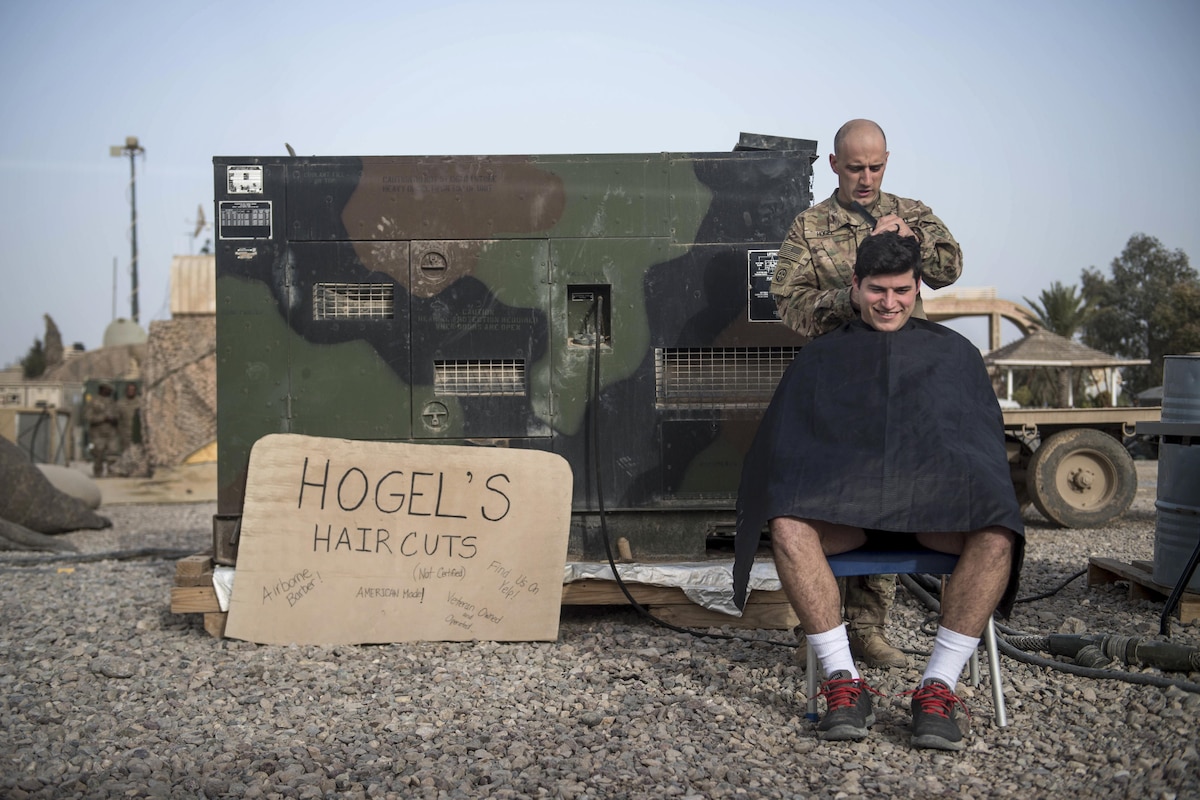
(101,414)
(811,284)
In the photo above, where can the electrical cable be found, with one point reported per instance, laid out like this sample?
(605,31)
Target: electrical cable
(595,431)
(109,555)
(1051,592)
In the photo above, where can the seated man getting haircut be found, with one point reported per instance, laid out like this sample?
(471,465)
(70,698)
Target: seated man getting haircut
(885,430)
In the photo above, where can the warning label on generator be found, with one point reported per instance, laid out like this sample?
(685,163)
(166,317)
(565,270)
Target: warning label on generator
(761,268)
(245,179)
(244,219)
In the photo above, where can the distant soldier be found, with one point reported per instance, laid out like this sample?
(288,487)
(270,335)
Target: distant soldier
(129,415)
(102,419)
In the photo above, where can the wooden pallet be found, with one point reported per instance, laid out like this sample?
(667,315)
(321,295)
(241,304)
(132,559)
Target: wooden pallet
(1141,584)
(193,593)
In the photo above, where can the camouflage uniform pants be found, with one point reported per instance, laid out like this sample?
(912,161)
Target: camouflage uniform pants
(868,599)
(104,447)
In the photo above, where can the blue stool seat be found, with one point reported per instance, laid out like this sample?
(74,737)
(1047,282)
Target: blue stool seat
(903,562)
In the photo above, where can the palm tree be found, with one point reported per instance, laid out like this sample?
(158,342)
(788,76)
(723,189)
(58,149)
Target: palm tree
(1061,310)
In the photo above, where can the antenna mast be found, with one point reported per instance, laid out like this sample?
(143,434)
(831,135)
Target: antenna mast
(131,148)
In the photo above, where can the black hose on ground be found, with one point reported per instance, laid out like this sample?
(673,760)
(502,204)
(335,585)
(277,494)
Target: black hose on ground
(108,555)
(1011,642)
(1004,642)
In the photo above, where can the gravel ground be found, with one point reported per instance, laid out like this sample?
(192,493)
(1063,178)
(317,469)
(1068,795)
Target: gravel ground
(105,693)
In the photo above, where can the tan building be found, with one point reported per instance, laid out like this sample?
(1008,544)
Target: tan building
(37,416)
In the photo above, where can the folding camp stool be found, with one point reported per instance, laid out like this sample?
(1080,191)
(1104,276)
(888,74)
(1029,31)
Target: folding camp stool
(903,562)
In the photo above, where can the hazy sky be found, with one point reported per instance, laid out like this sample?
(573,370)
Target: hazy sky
(1045,134)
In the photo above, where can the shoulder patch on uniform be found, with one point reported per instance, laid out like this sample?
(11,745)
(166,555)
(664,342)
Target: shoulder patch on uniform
(780,275)
(906,207)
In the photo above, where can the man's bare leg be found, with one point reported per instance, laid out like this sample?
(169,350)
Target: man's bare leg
(972,593)
(978,581)
(974,589)
(799,547)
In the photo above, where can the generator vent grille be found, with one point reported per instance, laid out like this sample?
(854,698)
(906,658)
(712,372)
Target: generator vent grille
(719,377)
(353,301)
(474,377)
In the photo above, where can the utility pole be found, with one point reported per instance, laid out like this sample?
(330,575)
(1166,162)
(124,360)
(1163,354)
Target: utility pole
(131,148)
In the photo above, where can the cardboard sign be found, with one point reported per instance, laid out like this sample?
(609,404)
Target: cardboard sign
(352,542)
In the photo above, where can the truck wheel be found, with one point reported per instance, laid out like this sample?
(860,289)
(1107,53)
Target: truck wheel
(1081,478)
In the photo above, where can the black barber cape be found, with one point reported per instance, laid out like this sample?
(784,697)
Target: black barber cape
(890,431)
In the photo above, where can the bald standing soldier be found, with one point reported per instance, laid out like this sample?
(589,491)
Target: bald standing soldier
(813,290)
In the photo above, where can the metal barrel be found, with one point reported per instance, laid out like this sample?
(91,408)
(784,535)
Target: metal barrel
(1177,527)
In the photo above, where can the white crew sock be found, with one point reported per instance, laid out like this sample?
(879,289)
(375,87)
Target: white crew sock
(951,652)
(832,649)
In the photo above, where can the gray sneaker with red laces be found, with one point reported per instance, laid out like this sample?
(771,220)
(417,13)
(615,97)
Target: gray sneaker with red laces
(849,712)
(935,720)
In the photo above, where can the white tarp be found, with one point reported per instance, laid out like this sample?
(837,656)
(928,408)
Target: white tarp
(223,583)
(706,583)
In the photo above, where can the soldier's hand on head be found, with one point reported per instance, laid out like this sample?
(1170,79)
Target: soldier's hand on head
(893,223)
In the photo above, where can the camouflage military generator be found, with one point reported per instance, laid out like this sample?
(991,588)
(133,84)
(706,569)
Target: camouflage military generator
(609,308)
